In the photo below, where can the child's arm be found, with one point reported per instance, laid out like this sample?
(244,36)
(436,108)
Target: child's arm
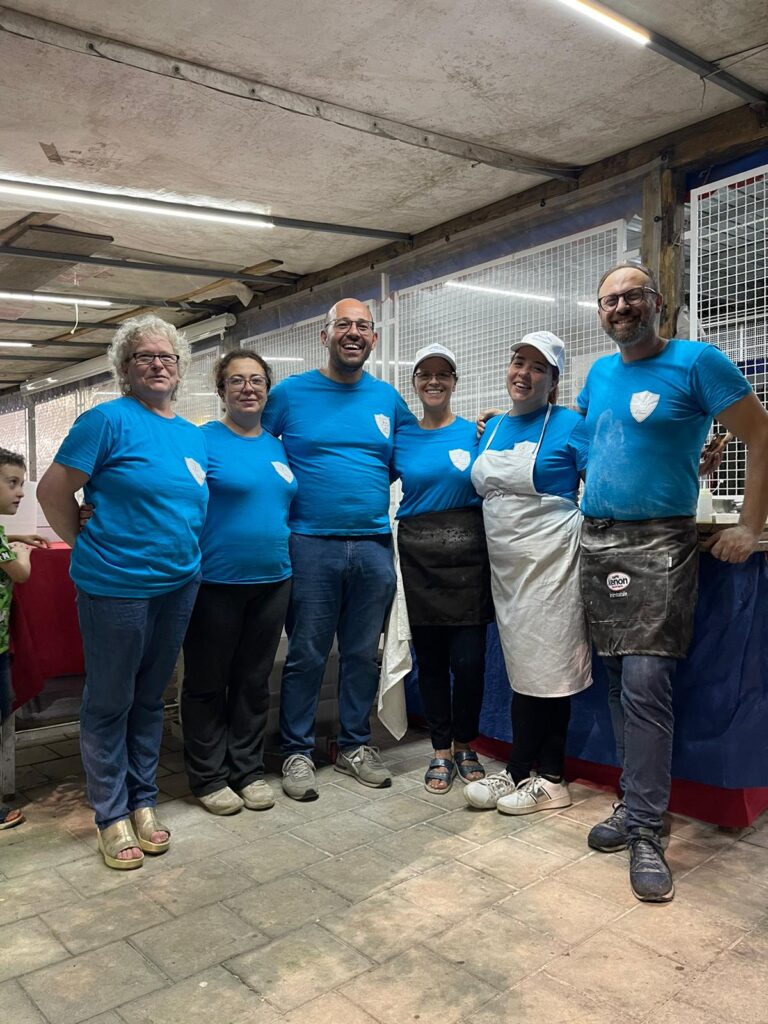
(18,568)
(32,539)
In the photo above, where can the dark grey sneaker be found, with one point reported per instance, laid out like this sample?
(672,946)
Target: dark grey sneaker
(649,873)
(299,780)
(611,835)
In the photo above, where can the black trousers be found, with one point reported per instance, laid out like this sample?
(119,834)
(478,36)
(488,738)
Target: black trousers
(452,713)
(229,651)
(539,732)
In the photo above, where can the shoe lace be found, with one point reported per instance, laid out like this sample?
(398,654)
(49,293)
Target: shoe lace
(498,783)
(299,767)
(369,754)
(646,852)
(619,815)
(535,786)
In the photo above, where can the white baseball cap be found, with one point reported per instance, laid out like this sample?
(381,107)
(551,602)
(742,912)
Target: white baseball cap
(435,349)
(550,346)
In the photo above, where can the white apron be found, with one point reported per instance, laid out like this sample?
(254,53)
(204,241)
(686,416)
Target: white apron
(533,546)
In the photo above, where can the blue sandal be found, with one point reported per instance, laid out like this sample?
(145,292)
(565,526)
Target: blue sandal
(434,773)
(6,821)
(461,757)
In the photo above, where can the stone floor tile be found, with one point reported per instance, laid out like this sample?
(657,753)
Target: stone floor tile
(103,919)
(418,985)
(683,855)
(16,1007)
(298,967)
(28,777)
(105,1018)
(480,826)
(384,925)
(756,838)
(176,784)
(610,967)
(197,940)
(701,832)
(20,897)
(181,888)
(27,945)
(604,874)
(197,842)
(421,847)
(401,811)
(453,891)
(253,825)
(65,748)
(679,932)
(495,948)
(360,873)
(90,984)
(732,897)
(173,761)
(274,856)
(328,1009)
(42,852)
(450,801)
(592,809)
(560,910)
(542,1000)
(566,838)
(733,988)
(286,904)
(211,997)
(515,863)
(747,861)
(62,767)
(341,832)
(90,876)
(400,784)
(333,799)
(34,755)
(678,1012)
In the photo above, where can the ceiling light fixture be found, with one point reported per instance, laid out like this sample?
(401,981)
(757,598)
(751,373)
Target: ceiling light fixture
(16,344)
(65,300)
(61,194)
(610,20)
(500,291)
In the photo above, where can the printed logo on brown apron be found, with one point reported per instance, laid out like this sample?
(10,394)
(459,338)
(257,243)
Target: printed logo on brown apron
(617,583)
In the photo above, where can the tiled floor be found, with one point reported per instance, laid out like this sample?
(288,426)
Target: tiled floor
(369,906)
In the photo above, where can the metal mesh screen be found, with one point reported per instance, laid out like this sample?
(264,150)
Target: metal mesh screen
(13,432)
(729,289)
(54,415)
(197,399)
(478,314)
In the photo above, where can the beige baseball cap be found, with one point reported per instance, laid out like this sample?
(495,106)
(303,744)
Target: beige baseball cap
(550,346)
(436,349)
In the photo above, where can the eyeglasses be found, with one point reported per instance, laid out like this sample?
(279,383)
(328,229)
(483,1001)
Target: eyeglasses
(147,358)
(344,325)
(633,297)
(443,377)
(237,383)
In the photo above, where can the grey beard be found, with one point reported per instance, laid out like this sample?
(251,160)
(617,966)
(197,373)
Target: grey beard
(641,331)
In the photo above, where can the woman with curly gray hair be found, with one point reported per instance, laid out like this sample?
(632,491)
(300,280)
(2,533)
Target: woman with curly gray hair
(136,567)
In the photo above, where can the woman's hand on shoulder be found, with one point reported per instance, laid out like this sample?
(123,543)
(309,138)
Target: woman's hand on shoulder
(482,420)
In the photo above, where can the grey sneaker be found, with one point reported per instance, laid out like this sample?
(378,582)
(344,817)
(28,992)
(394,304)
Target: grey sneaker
(365,765)
(299,781)
(223,801)
(649,873)
(258,795)
(611,835)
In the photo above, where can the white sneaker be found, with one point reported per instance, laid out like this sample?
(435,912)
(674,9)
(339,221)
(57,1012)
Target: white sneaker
(223,801)
(486,792)
(535,794)
(258,795)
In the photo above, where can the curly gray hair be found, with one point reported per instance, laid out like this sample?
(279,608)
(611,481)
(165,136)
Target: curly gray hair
(131,333)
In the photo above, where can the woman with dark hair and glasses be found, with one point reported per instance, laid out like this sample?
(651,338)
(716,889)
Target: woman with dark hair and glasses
(444,565)
(136,566)
(240,610)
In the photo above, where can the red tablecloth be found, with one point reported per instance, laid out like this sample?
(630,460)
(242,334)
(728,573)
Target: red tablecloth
(45,635)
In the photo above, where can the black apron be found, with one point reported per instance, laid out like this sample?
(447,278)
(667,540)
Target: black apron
(444,564)
(639,583)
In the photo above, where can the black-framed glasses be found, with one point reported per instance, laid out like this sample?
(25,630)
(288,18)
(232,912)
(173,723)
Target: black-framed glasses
(343,325)
(237,383)
(443,377)
(147,358)
(632,297)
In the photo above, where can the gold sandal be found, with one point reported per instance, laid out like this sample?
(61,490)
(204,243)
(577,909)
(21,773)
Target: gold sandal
(146,822)
(113,840)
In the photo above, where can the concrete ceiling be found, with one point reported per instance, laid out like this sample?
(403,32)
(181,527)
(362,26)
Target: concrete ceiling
(528,76)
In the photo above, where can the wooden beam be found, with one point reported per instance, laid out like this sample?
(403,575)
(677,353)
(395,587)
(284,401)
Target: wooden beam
(671,251)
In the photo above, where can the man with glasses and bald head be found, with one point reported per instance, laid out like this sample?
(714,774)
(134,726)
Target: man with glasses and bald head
(648,410)
(338,426)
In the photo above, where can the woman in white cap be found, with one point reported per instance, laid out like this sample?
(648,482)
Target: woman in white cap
(444,564)
(528,472)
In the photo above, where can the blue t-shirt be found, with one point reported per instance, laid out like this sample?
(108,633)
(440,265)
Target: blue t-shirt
(339,439)
(245,538)
(647,421)
(564,449)
(435,466)
(147,486)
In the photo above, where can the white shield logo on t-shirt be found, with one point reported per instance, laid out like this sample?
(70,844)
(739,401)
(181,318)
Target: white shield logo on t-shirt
(196,470)
(642,404)
(382,422)
(460,458)
(284,471)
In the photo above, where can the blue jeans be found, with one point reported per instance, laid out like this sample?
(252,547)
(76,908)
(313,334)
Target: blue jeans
(6,687)
(130,647)
(640,702)
(342,586)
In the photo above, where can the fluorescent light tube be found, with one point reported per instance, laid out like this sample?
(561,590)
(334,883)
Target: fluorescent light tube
(15,344)
(610,20)
(500,291)
(65,300)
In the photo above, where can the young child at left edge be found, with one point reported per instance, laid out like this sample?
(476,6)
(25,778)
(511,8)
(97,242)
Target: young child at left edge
(14,568)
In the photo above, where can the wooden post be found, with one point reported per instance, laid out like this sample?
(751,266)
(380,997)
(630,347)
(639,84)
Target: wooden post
(661,245)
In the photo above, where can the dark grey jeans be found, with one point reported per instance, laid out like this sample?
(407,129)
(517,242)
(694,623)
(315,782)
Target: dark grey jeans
(640,702)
